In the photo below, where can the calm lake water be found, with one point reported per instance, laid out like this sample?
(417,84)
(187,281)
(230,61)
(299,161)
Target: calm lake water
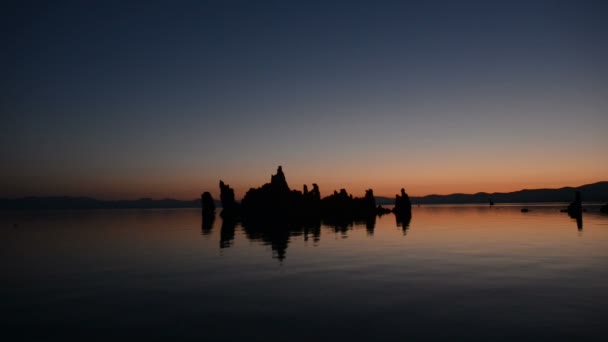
(456,272)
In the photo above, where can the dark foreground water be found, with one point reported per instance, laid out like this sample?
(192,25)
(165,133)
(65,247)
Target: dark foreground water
(457,272)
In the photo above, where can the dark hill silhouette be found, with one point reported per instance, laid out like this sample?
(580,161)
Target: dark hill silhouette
(82,203)
(596,192)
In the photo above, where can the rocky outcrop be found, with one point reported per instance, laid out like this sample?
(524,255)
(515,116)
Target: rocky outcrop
(278,181)
(273,199)
(604,208)
(208,212)
(207,205)
(311,201)
(229,206)
(403,205)
(575,209)
(341,204)
(276,201)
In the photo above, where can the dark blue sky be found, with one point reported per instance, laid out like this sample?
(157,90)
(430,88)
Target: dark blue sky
(128,99)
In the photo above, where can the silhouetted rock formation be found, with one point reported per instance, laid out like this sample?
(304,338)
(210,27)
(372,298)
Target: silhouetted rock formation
(207,204)
(604,208)
(311,201)
(341,205)
(278,181)
(276,202)
(525,210)
(403,205)
(229,205)
(575,209)
(208,211)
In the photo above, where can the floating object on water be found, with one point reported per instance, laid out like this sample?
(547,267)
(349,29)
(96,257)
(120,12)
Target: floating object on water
(525,210)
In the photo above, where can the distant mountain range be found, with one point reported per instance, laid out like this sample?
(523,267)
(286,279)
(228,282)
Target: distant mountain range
(65,202)
(596,192)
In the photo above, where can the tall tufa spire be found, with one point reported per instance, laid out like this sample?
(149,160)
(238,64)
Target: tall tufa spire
(278,181)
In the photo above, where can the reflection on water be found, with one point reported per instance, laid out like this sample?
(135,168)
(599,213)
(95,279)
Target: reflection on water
(277,235)
(403,222)
(448,272)
(227,233)
(207,224)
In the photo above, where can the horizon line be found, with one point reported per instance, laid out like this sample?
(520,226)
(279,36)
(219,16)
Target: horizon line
(376,196)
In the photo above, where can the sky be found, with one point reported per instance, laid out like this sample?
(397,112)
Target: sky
(130,99)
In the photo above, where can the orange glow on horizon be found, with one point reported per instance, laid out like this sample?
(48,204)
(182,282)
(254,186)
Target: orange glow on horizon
(418,181)
(184,190)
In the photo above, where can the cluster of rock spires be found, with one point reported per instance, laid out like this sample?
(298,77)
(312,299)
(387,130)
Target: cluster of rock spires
(275,200)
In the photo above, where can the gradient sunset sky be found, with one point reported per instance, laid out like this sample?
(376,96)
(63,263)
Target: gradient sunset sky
(129,99)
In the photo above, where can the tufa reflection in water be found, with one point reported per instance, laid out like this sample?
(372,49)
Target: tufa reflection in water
(227,233)
(279,234)
(403,222)
(207,224)
(575,210)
